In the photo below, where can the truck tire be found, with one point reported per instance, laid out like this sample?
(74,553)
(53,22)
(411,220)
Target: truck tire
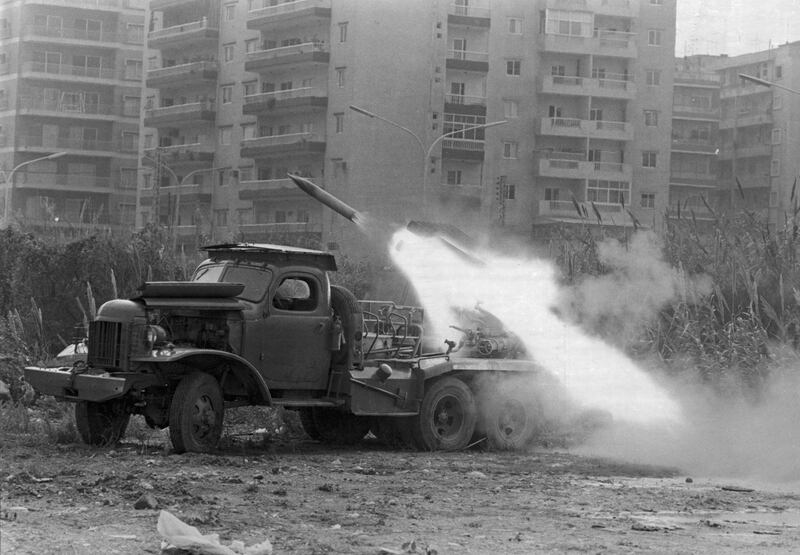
(345,306)
(510,420)
(196,413)
(103,423)
(339,427)
(447,416)
(307,421)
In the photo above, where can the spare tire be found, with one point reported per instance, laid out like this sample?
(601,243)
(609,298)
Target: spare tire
(345,307)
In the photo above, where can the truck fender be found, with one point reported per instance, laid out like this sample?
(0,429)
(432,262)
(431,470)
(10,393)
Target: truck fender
(210,360)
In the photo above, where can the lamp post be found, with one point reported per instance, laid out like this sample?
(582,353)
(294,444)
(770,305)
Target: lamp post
(425,150)
(9,181)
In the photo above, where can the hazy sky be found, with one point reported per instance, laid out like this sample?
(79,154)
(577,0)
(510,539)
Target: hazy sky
(735,26)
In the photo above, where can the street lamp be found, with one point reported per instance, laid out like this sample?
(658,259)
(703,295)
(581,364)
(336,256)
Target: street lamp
(426,150)
(9,181)
(765,83)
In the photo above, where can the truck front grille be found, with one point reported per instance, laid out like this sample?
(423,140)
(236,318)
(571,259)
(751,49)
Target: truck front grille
(105,344)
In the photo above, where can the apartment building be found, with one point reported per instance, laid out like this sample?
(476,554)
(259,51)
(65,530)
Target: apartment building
(694,187)
(70,85)
(760,131)
(498,117)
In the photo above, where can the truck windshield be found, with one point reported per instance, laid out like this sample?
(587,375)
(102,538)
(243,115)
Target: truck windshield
(255,280)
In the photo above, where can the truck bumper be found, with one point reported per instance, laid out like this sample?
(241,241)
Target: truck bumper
(64,384)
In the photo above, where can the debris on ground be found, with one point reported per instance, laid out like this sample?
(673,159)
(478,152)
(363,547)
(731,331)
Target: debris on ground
(180,537)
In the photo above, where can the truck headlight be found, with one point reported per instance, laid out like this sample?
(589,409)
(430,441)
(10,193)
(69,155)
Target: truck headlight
(154,335)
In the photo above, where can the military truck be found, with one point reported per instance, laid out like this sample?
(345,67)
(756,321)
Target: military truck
(262,324)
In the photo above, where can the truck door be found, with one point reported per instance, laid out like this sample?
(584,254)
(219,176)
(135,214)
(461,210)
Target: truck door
(294,340)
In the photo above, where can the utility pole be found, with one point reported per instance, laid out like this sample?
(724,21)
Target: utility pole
(157,186)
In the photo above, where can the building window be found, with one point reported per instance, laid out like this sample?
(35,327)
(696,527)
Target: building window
(551,193)
(248,131)
(250,88)
(454,177)
(513,67)
(225,134)
(221,217)
(127,214)
(133,70)
(509,191)
(569,23)
(227,51)
(127,178)
(230,12)
(510,109)
(651,118)
(510,150)
(776,136)
(653,77)
(656,2)
(649,159)
(777,103)
(251,45)
(227,94)
(608,192)
(775,168)
(340,71)
(130,106)
(339,122)
(130,141)
(515,25)
(654,37)
(343,31)
(648,200)
(778,72)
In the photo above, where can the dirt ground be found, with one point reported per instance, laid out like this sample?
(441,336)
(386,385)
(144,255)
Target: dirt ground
(305,497)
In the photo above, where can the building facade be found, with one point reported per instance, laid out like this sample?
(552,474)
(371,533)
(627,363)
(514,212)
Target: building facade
(498,117)
(70,86)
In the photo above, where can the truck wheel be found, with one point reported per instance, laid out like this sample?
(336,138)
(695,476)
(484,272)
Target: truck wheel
(511,421)
(447,416)
(101,423)
(336,426)
(307,421)
(345,306)
(196,413)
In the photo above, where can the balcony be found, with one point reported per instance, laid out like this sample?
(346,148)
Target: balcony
(38,106)
(84,147)
(183,34)
(604,43)
(281,145)
(695,180)
(473,15)
(265,189)
(72,182)
(593,129)
(72,36)
(463,149)
(307,52)
(465,104)
(467,60)
(78,74)
(747,151)
(286,101)
(104,5)
(264,15)
(695,79)
(616,8)
(746,118)
(160,5)
(699,111)
(183,153)
(566,210)
(694,146)
(568,166)
(615,86)
(178,113)
(449,190)
(745,89)
(189,74)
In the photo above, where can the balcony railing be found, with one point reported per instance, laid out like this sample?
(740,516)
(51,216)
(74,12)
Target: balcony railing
(471,10)
(282,51)
(64,69)
(613,85)
(286,94)
(566,208)
(465,99)
(267,8)
(71,33)
(604,41)
(180,29)
(181,109)
(575,127)
(468,55)
(38,141)
(285,139)
(182,69)
(85,4)
(464,144)
(78,107)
